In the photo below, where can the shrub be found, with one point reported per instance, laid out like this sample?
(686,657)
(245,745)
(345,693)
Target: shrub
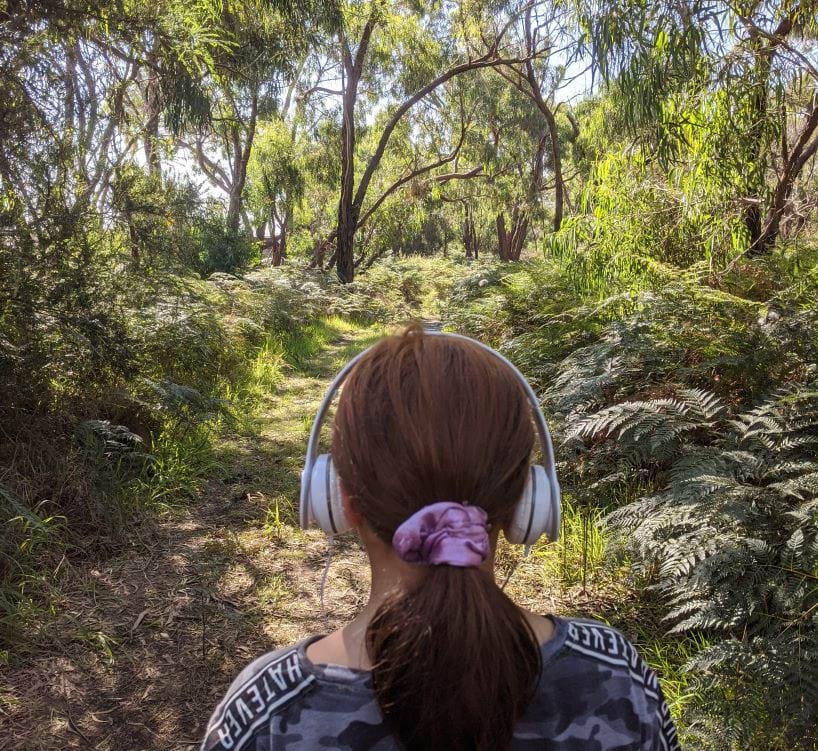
(220,248)
(690,415)
(118,381)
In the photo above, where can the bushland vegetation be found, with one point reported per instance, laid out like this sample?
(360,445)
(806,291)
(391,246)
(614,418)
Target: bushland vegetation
(619,195)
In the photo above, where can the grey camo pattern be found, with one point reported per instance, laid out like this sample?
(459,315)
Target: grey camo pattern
(596,694)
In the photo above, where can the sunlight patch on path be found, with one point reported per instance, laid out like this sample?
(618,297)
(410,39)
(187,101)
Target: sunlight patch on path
(150,641)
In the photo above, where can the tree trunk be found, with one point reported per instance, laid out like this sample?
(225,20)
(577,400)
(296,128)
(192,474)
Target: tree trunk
(234,209)
(285,230)
(757,169)
(802,151)
(510,242)
(241,158)
(153,108)
(470,243)
(349,209)
(764,48)
(345,243)
(752,216)
(278,249)
(349,204)
(275,249)
(319,250)
(519,236)
(502,237)
(559,181)
(556,158)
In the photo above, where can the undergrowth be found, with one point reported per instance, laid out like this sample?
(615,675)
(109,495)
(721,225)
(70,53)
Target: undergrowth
(95,453)
(684,409)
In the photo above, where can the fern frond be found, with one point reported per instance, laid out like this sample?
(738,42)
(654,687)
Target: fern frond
(703,406)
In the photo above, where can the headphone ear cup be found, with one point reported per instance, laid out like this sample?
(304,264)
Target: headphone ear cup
(537,512)
(324,500)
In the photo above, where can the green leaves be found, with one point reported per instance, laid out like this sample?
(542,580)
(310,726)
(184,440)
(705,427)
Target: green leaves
(735,544)
(692,422)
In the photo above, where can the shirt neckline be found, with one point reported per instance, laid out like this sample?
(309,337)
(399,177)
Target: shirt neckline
(341,674)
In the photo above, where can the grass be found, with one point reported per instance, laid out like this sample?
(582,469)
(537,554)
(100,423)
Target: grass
(185,455)
(268,410)
(196,359)
(181,458)
(257,441)
(254,570)
(582,560)
(667,656)
(578,556)
(281,419)
(204,558)
(182,455)
(314,337)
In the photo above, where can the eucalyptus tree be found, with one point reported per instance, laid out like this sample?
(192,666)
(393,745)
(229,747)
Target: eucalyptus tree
(276,183)
(404,214)
(263,44)
(492,176)
(68,72)
(315,217)
(75,92)
(737,79)
(64,86)
(405,53)
(543,26)
(175,50)
(510,161)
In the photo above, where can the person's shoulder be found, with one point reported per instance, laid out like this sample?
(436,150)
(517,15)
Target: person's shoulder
(598,679)
(611,649)
(266,686)
(599,641)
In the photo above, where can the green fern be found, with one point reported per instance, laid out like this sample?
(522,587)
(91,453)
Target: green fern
(732,543)
(696,427)
(689,415)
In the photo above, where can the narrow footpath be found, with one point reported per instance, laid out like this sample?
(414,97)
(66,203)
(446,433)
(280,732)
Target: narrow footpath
(149,641)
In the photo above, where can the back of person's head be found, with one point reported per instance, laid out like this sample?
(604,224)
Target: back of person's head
(423,419)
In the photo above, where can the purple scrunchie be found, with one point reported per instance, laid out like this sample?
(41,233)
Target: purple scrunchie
(444,533)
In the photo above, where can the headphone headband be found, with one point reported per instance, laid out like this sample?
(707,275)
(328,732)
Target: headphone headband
(312,445)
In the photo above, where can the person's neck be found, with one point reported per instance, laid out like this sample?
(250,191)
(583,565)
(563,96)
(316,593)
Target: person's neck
(347,645)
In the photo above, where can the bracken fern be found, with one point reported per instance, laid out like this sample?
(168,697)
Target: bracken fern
(729,538)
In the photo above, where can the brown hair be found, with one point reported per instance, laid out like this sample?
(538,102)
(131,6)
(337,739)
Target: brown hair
(424,419)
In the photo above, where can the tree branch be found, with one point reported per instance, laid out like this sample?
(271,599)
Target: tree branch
(474,172)
(488,61)
(213,171)
(411,175)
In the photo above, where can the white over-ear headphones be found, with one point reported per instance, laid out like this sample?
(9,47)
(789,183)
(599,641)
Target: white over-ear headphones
(537,512)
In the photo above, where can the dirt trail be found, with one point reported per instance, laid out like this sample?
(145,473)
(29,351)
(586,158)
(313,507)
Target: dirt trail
(150,640)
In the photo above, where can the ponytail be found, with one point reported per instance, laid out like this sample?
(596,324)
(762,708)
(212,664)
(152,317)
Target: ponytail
(422,420)
(455,663)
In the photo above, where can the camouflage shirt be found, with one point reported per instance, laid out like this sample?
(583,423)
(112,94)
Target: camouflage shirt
(595,694)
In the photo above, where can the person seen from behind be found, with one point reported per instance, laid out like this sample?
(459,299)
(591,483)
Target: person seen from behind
(432,442)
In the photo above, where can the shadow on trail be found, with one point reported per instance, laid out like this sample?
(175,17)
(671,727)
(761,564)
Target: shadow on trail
(150,640)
